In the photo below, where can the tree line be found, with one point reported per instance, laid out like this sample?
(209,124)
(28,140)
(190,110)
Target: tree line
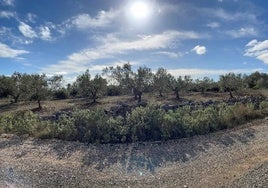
(121,80)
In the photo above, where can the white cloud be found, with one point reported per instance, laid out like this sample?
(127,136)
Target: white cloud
(7,52)
(31,17)
(4,30)
(7,14)
(169,54)
(258,50)
(79,61)
(9,2)
(27,30)
(213,25)
(45,33)
(242,32)
(252,43)
(208,72)
(236,16)
(103,18)
(199,50)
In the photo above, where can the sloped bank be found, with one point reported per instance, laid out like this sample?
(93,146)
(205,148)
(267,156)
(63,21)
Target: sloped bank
(212,160)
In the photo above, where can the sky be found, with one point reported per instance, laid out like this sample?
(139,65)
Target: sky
(187,37)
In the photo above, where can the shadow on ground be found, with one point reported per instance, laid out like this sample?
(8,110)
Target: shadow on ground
(149,156)
(133,157)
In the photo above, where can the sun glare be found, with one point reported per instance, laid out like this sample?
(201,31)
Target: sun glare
(139,10)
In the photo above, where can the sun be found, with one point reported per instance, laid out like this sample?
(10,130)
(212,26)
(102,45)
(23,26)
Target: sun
(139,10)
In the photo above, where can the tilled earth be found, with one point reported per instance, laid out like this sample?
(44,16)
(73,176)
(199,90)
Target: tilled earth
(230,158)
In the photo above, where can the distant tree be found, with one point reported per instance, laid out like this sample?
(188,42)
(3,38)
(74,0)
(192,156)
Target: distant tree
(72,89)
(14,86)
(204,84)
(121,76)
(113,90)
(56,88)
(97,87)
(137,82)
(38,88)
(161,81)
(82,83)
(91,88)
(257,80)
(3,92)
(142,80)
(231,82)
(180,85)
(55,82)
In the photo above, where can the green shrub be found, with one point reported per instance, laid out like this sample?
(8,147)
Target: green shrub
(20,123)
(61,94)
(25,123)
(264,108)
(144,123)
(113,90)
(65,128)
(46,130)
(90,125)
(231,116)
(205,120)
(177,124)
(6,124)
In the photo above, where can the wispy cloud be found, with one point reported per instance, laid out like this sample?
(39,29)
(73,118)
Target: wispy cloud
(31,17)
(8,52)
(257,49)
(103,19)
(111,46)
(213,25)
(7,14)
(27,30)
(242,32)
(209,72)
(169,54)
(45,33)
(8,2)
(200,50)
(235,16)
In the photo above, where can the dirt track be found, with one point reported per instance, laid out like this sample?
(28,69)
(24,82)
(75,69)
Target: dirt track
(232,158)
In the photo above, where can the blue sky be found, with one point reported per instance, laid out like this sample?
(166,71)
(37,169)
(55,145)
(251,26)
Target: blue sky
(187,37)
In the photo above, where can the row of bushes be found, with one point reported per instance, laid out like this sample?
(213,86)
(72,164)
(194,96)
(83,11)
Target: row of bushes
(142,124)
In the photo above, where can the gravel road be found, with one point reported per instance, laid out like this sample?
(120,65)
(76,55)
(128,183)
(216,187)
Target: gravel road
(230,158)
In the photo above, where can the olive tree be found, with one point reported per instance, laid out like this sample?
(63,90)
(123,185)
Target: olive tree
(142,80)
(38,88)
(14,86)
(136,82)
(97,87)
(91,88)
(122,76)
(161,81)
(231,82)
(204,84)
(180,84)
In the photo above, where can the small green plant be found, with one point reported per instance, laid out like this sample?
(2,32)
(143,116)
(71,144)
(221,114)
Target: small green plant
(89,124)
(145,123)
(264,108)
(6,123)
(141,124)
(205,120)
(20,123)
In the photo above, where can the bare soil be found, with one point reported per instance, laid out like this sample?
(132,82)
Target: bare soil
(229,158)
